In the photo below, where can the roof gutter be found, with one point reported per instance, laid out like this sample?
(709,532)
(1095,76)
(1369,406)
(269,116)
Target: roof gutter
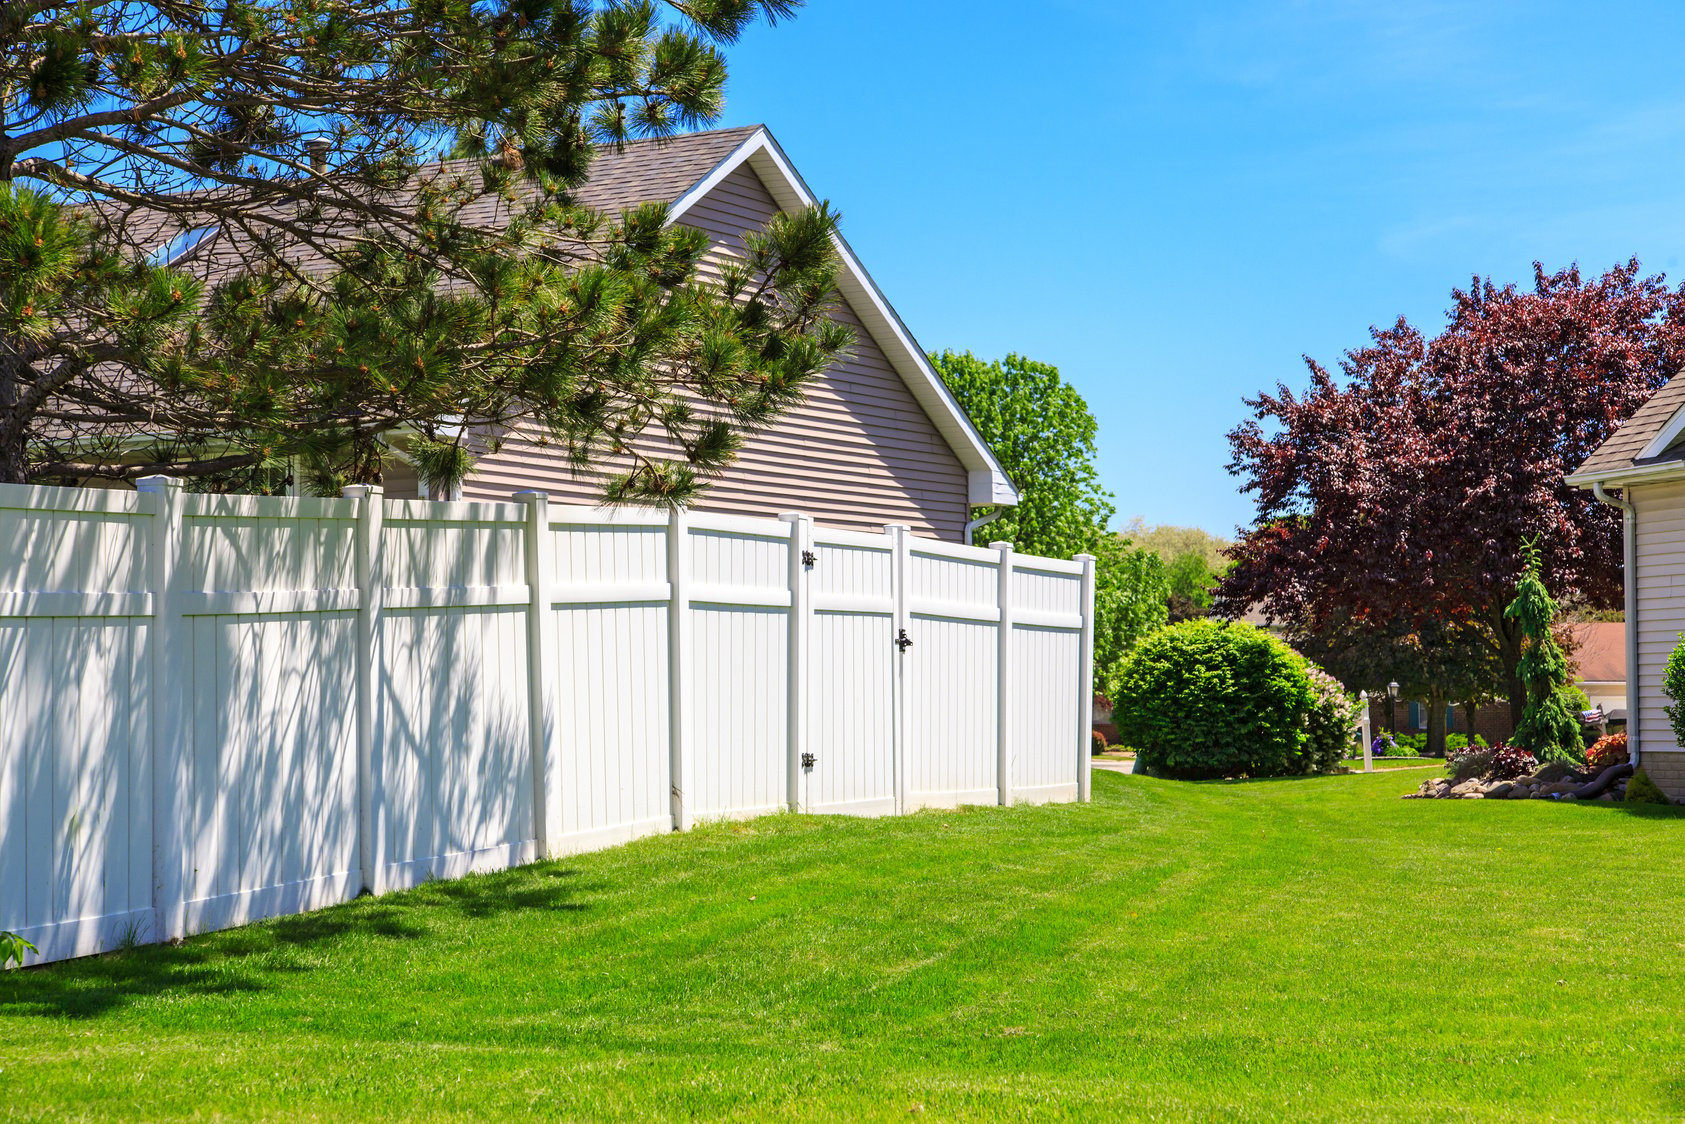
(1620,477)
(972,526)
(1629,584)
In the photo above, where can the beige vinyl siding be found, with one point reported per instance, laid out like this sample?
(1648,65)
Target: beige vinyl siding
(1660,541)
(858,453)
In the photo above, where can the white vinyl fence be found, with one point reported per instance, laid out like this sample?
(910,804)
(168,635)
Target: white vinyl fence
(220,708)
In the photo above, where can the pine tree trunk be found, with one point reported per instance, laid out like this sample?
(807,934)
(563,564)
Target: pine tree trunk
(14,465)
(1436,722)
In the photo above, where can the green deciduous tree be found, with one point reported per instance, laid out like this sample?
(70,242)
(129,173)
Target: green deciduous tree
(228,238)
(1438,664)
(1043,434)
(1194,562)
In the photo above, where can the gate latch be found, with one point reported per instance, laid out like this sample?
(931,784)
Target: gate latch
(903,641)
(808,760)
(809,559)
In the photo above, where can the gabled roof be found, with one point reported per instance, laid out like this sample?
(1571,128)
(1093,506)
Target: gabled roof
(1644,447)
(678,172)
(681,170)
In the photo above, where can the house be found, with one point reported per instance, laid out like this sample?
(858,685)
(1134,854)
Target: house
(1640,469)
(877,440)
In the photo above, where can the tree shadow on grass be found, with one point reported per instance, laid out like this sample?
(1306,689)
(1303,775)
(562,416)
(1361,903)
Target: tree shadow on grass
(550,888)
(255,957)
(1638,811)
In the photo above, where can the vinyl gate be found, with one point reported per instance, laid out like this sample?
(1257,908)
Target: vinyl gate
(220,708)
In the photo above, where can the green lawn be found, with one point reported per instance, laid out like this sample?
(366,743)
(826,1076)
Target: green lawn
(1398,762)
(1306,949)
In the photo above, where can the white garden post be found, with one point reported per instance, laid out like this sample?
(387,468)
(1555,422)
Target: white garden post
(1003,673)
(161,496)
(541,664)
(678,663)
(1363,732)
(1085,683)
(801,618)
(371,586)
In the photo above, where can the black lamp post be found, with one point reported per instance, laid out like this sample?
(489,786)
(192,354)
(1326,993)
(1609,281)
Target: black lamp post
(1392,707)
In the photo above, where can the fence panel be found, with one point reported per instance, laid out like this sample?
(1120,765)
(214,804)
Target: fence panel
(851,676)
(451,757)
(739,614)
(75,719)
(1047,730)
(217,709)
(610,624)
(266,592)
(953,675)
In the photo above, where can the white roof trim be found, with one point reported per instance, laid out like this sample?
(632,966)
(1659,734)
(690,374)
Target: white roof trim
(987,480)
(1638,474)
(1670,432)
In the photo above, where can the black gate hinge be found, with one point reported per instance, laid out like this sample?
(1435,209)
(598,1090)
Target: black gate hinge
(903,641)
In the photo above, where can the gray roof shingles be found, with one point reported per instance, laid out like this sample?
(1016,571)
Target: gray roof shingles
(641,171)
(1621,449)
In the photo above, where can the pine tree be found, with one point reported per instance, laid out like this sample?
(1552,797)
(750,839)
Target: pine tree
(1547,727)
(228,240)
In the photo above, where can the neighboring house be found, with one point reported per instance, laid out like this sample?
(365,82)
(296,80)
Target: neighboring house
(1641,470)
(1600,666)
(877,440)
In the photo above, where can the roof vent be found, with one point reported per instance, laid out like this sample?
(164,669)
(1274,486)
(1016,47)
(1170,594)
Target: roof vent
(318,147)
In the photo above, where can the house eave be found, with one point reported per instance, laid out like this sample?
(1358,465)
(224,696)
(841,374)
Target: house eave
(1628,475)
(987,482)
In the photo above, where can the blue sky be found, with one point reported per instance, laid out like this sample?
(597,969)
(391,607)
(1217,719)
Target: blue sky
(1174,202)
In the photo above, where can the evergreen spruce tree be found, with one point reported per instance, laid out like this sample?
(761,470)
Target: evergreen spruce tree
(1547,728)
(229,240)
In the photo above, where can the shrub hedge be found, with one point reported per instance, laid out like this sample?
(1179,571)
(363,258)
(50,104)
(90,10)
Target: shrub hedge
(1211,698)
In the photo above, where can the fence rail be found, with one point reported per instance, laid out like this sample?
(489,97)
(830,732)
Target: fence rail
(215,709)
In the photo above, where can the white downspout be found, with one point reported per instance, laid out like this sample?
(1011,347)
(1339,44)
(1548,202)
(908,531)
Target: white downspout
(1629,579)
(974,524)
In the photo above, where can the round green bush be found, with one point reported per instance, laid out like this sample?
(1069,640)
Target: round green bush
(1673,686)
(1222,699)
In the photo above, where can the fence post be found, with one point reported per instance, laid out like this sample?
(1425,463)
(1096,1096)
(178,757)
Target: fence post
(1085,684)
(678,666)
(170,778)
(801,627)
(1003,673)
(897,533)
(371,590)
(541,665)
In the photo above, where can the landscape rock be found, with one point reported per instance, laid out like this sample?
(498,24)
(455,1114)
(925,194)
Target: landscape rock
(1499,791)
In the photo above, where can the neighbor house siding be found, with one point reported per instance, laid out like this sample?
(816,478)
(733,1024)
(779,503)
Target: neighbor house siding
(858,453)
(1660,541)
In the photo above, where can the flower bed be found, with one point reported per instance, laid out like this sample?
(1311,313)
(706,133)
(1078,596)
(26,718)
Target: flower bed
(1511,773)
